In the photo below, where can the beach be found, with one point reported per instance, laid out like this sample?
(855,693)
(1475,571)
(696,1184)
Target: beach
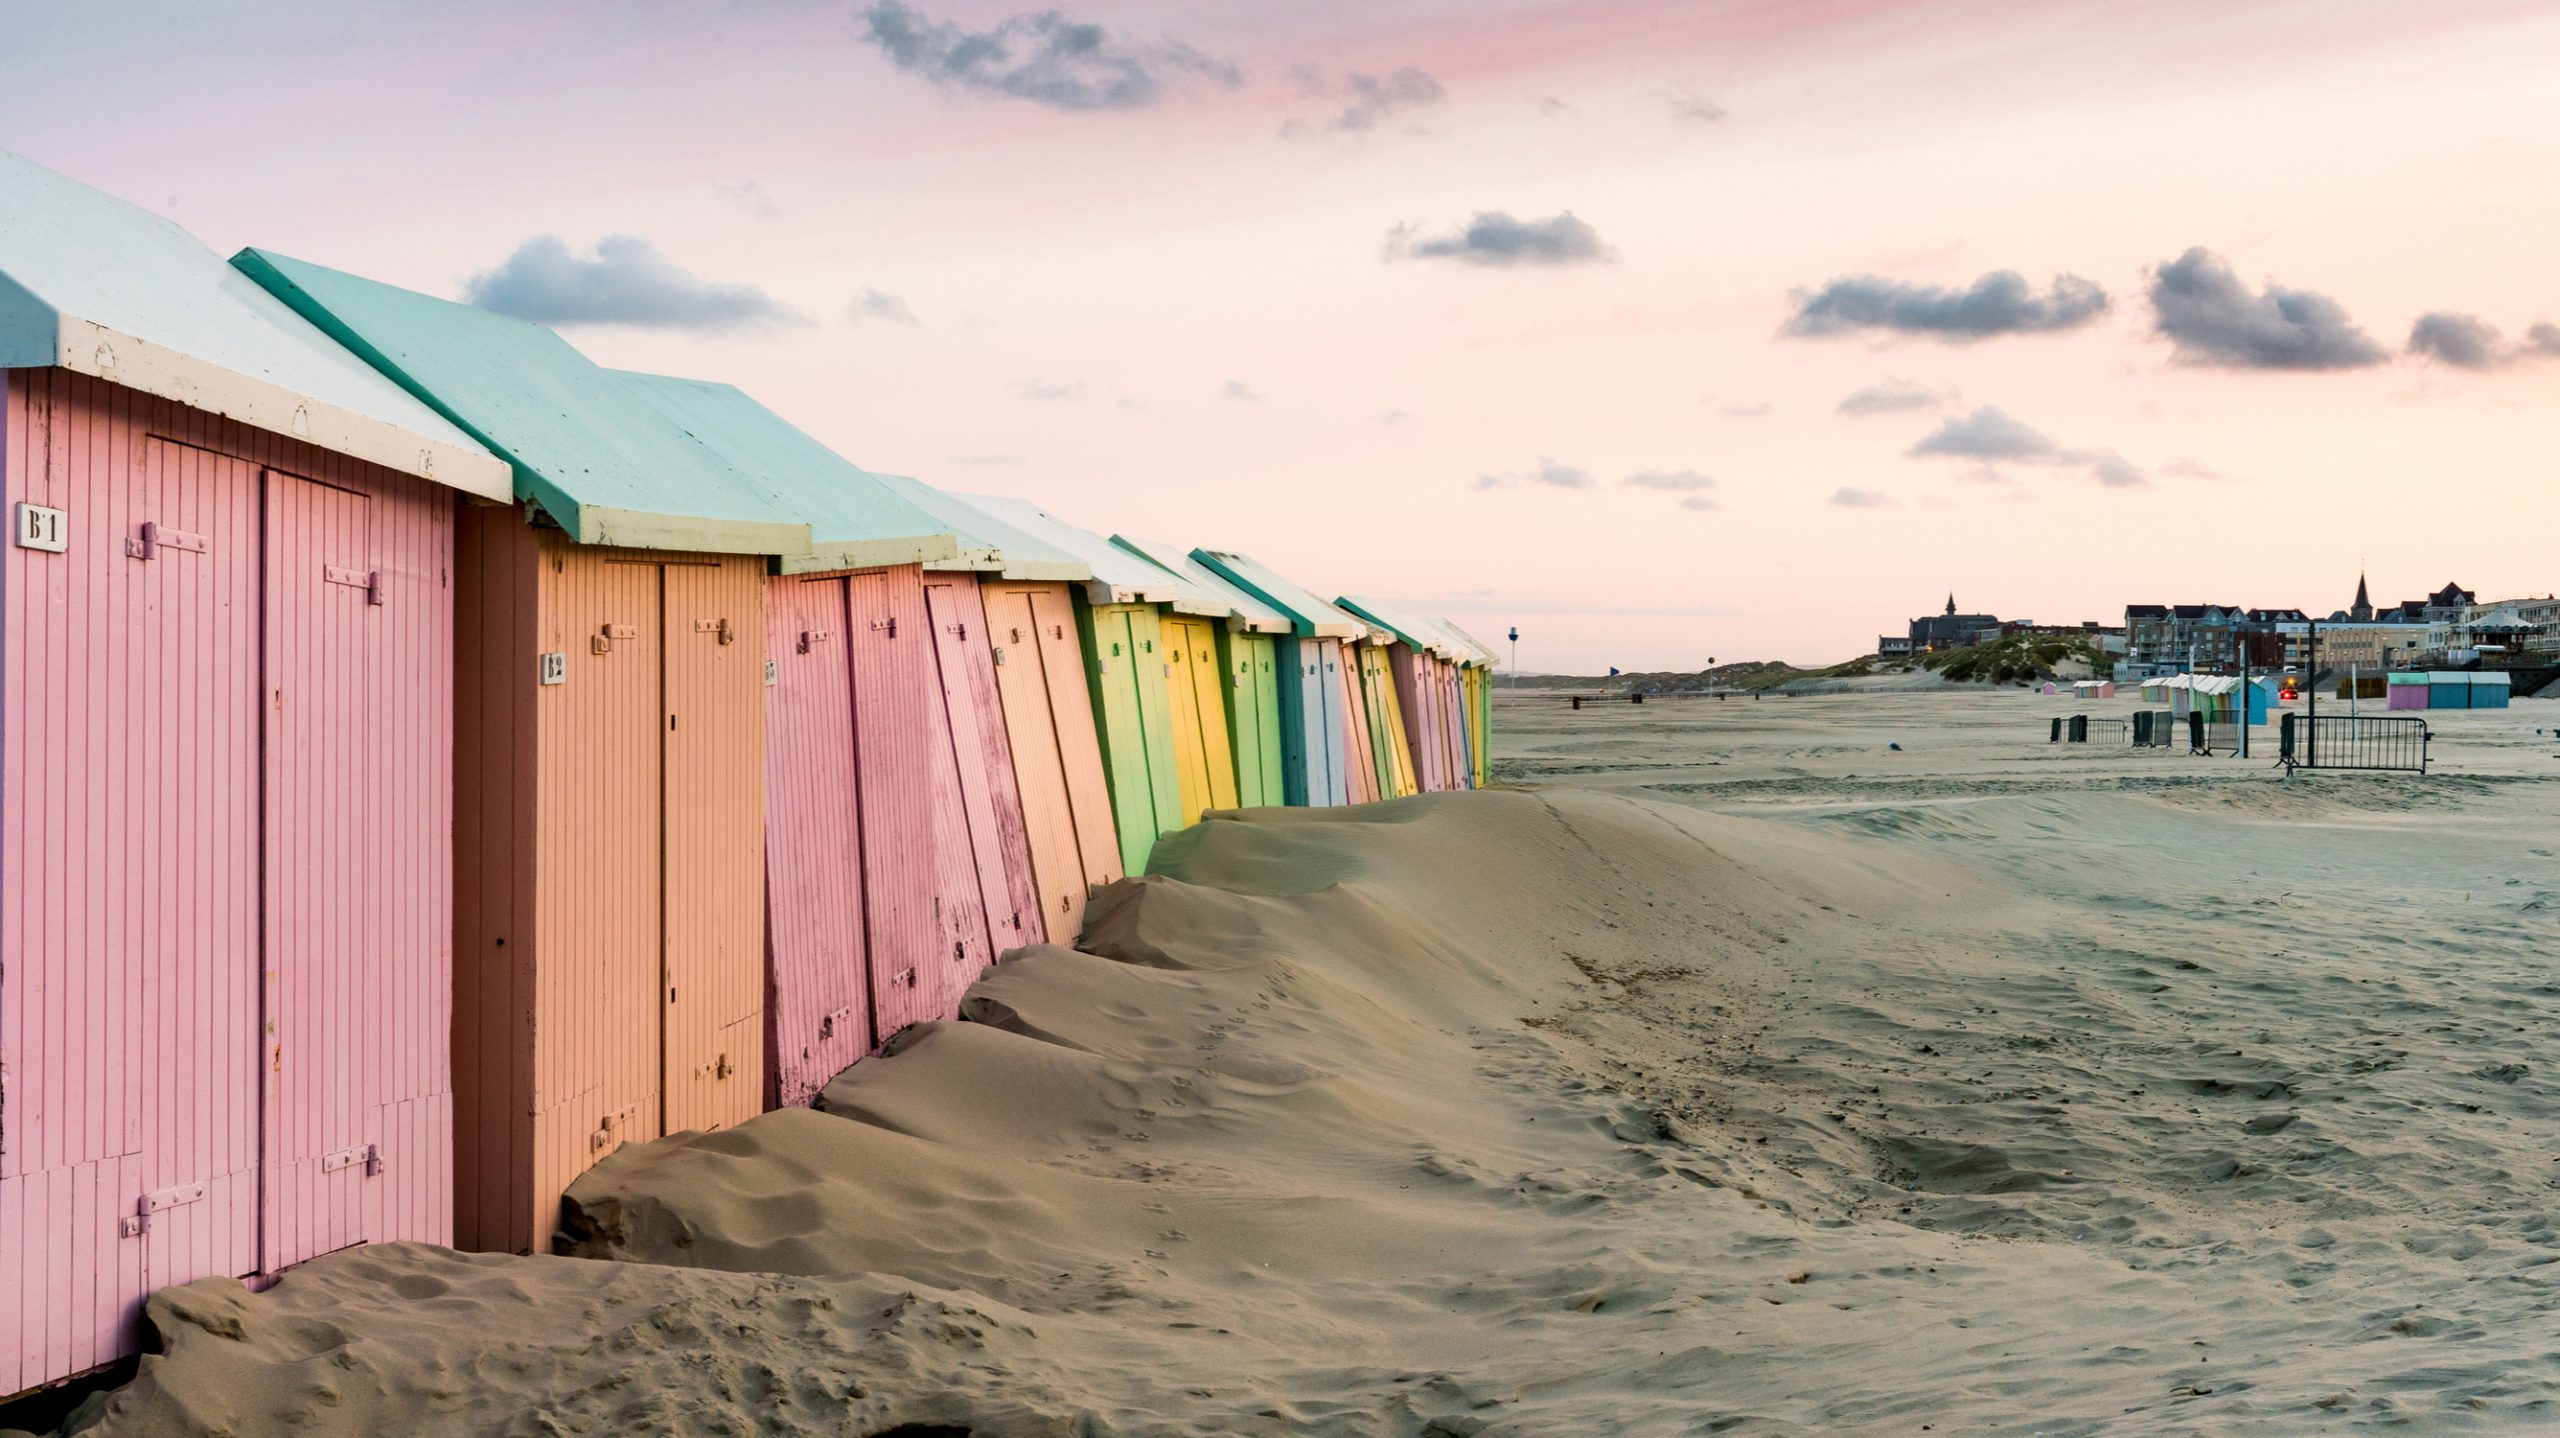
(1723,1070)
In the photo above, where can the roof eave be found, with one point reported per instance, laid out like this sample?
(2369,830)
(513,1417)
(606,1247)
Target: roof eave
(827,556)
(137,364)
(642,529)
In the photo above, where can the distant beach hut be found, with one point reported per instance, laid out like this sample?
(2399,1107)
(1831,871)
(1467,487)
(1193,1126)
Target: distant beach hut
(226,701)
(2051,688)
(1378,718)
(1478,702)
(1028,591)
(1171,630)
(1256,644)
(2407,690)
(2491,689)
(1316,758)
(2448,690)
(1424,663)
(609,827)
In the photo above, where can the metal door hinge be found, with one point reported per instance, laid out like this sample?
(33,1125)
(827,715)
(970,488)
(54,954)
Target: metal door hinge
(827,1023)
(138,1222)
(813,637)
(889,626)
(998,652)
(720,627)
(155,537)
(370,1156)
(370,581)
(961,631)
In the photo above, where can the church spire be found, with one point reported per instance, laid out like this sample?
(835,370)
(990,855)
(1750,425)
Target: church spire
(1951,601)
(2363,609)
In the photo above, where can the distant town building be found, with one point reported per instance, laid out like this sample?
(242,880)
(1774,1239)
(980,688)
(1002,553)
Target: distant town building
(1948,630)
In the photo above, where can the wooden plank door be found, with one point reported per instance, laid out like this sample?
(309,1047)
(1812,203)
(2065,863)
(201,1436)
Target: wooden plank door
(990,807)
(713,881)
(1062,665)
(1326,743)
(1244,719)
(599,1040)
(328,971)
(892,669)
(818,1002)
(1186,727)
(1111,653)
(129,899)
(1191,655)
(1260,696)
(1039,766)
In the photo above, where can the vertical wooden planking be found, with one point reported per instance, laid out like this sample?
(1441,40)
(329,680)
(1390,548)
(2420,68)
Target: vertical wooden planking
(1113,669)
(990,800)
(965,943)
(135,801)
(1063,666)
(498,597)
(1039,765)
(1417,737)
(1204,764)
(818,1015)
(1333,726)
(713,816)
(1359,757)
(892,675)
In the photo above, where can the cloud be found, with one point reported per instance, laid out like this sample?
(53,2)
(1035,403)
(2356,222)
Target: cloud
(1992,436)
(1850,498)
(1894,396)
(1678,480)
(1373,100)
(1237,389)
(1392,417)
(1053,389)
(2213,320)
(749,196)
(2182,468)
(1494,238)
(1988,433)
(1999,303)
(1699,502)
(1044,57)
(1549,473)
(2470,342)
(1687,107)
(627,283)
(880,305)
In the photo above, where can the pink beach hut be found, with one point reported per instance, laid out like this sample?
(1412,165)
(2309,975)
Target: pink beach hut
(2406,691)
(226,925)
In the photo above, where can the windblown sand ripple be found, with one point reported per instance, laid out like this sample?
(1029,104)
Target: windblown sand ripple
(1797,1086)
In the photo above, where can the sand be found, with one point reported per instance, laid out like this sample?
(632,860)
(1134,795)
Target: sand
(1741,1075)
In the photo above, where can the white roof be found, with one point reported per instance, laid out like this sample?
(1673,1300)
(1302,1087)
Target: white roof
(987,543)
(1120,576)
(1250,615)
(99,287)
(1484,657)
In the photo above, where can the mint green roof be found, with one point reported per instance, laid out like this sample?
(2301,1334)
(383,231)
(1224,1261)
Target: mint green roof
(596,457)
(1415,632)
(1314,618)
(99,287)
(1251,612)
(855,520)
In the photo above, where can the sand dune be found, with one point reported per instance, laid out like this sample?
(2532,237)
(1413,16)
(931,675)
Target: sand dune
(1796,1086)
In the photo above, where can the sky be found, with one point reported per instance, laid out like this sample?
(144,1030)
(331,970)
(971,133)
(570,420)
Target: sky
(1667,333)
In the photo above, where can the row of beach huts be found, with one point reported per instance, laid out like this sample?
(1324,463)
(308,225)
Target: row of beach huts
(2220,696)
(429,761)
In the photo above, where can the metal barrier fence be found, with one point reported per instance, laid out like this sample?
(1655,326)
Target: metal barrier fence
(2155,729)
(2209,736)
(2350,741)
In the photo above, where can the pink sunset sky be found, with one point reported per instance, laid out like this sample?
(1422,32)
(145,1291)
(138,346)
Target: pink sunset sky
(1663,331)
